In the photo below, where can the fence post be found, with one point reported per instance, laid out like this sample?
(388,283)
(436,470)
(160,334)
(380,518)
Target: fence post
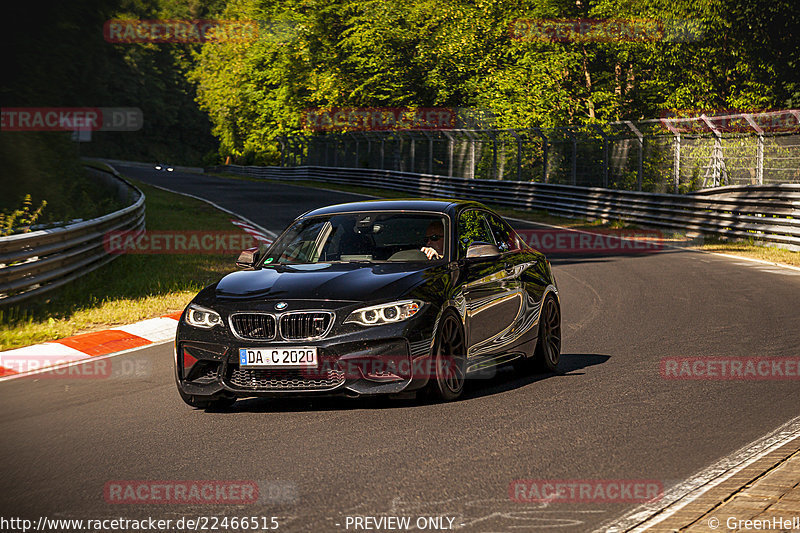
(471,169)
(494,154)
(450,148)
(640,137)
(355,140)
(397,159)
(544,153)
(336,140)
(282,141)
(759,149)
(676,166)
(413,152)
(519,153)
(383,152)
(676,177)
(605,153)
(369,148)
(430,151)
(574,159)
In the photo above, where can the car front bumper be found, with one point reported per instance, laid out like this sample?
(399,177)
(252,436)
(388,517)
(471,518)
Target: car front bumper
(358,361)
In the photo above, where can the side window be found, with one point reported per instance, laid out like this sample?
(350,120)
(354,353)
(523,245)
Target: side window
(505,237)
(472,227)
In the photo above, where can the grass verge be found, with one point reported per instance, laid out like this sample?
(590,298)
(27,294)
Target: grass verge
(133,287)
(749,249)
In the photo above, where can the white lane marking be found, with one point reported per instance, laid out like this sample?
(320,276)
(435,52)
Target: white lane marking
(154,330)
(651,514)
(237,215)
(41,350)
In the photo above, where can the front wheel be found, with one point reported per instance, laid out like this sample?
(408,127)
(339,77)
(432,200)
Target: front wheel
(449,359)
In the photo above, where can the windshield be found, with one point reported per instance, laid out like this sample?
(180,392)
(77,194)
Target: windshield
(362,237)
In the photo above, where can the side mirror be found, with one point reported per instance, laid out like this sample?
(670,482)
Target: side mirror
(247,258)
(482,250)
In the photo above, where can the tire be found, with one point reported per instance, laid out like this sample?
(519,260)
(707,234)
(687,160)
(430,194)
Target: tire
(548,346)
(449,357)
(207,402)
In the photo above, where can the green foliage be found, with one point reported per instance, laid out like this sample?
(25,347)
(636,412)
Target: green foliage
(20,220)
(460,53)
(739,54)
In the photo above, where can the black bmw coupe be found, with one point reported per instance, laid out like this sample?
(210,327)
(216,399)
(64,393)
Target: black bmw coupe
(374,297)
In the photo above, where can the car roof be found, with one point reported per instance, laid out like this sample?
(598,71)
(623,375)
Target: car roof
(439,205)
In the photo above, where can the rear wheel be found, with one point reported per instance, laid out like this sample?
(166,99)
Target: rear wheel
(449,359)
(548,348)
(207,402)
(548,345)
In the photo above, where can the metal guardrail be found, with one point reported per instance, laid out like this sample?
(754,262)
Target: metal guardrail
(766,213)
(36,262)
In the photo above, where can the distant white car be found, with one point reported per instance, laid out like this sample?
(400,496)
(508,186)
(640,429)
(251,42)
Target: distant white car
(162,166)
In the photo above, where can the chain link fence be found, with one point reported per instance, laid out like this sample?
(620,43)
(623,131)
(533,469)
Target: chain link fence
(667,155)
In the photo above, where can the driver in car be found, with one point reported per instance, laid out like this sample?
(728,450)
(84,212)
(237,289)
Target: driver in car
(434,241)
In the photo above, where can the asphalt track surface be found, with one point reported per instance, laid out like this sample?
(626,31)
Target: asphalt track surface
(610,415)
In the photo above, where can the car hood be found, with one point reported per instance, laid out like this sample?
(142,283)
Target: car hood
(324,281)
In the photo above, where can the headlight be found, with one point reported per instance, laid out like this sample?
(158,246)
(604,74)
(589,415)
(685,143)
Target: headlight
(385,313)
(202,318)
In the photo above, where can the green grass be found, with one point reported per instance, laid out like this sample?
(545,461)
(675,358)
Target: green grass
(132,287)
(710,244)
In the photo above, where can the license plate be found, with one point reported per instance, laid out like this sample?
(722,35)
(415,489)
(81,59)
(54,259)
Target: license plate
(291,356)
